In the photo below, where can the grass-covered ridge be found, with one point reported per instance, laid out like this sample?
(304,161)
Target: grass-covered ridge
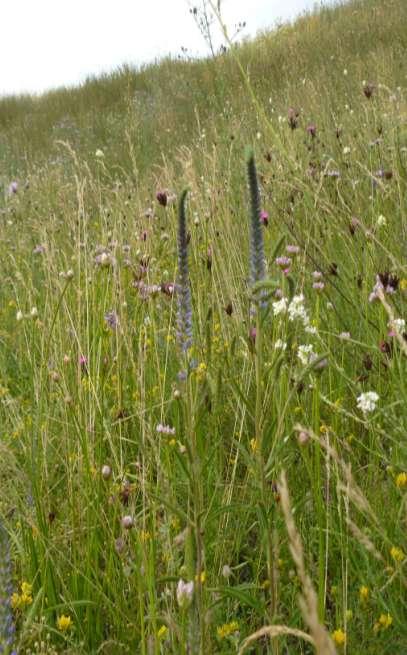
(158,496)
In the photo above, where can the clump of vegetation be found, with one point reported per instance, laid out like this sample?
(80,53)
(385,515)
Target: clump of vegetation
(202,396)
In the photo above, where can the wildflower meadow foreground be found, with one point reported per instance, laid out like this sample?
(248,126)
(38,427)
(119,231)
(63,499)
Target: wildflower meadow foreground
(203,351)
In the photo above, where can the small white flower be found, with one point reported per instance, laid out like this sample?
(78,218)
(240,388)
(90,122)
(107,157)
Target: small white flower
(381,221)
(280,345)
(345,71)
(344,336)
(306,354)
(296,309)
(280,306)
(346,150)
(34,312)
(19,315)
(311,329)
(99,153)
(397,324)
(185,592)
(367,401)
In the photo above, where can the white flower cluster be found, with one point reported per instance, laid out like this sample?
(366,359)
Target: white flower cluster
(280,306)
(165,429)
(295,309)
(367,401)
(306,354)
(280,345)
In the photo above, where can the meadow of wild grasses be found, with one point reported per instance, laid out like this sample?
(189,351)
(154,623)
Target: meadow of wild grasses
(203,351)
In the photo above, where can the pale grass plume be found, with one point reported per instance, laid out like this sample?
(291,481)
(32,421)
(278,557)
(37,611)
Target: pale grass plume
(308,600)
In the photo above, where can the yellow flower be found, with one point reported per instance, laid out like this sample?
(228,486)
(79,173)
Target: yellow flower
(385,621)
(162,632)
(227,629)
(397,554)
(401,480)
(364,593)
(339,637)
(26,588)
(201,371)
(403,284)
(254,445)
(203,577)
(15,601)
(64,623)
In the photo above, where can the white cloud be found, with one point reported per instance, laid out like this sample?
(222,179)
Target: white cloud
(48,43)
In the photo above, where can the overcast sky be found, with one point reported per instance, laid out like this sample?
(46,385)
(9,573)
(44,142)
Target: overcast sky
(49,43)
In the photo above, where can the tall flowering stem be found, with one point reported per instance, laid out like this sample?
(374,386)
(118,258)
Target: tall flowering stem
(184,312)
(257,271)
(7,627)
(257,274)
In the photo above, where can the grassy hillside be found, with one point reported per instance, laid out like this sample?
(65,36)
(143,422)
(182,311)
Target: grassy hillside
(261,459)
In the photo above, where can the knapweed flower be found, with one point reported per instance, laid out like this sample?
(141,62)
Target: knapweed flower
(397,554)
(227,629)
(185,592)
(312,130)
(367,401)
(401,480)
(162,198)
(264,218)
(368,89)
(284,262)
(293,116)
(112,320)
(64,623)
(339,637)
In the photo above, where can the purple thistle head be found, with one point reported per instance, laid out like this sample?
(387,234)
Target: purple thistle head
(112,320)
(264,218)
(293,116)
(162,198)
(13,188)
(312,130)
